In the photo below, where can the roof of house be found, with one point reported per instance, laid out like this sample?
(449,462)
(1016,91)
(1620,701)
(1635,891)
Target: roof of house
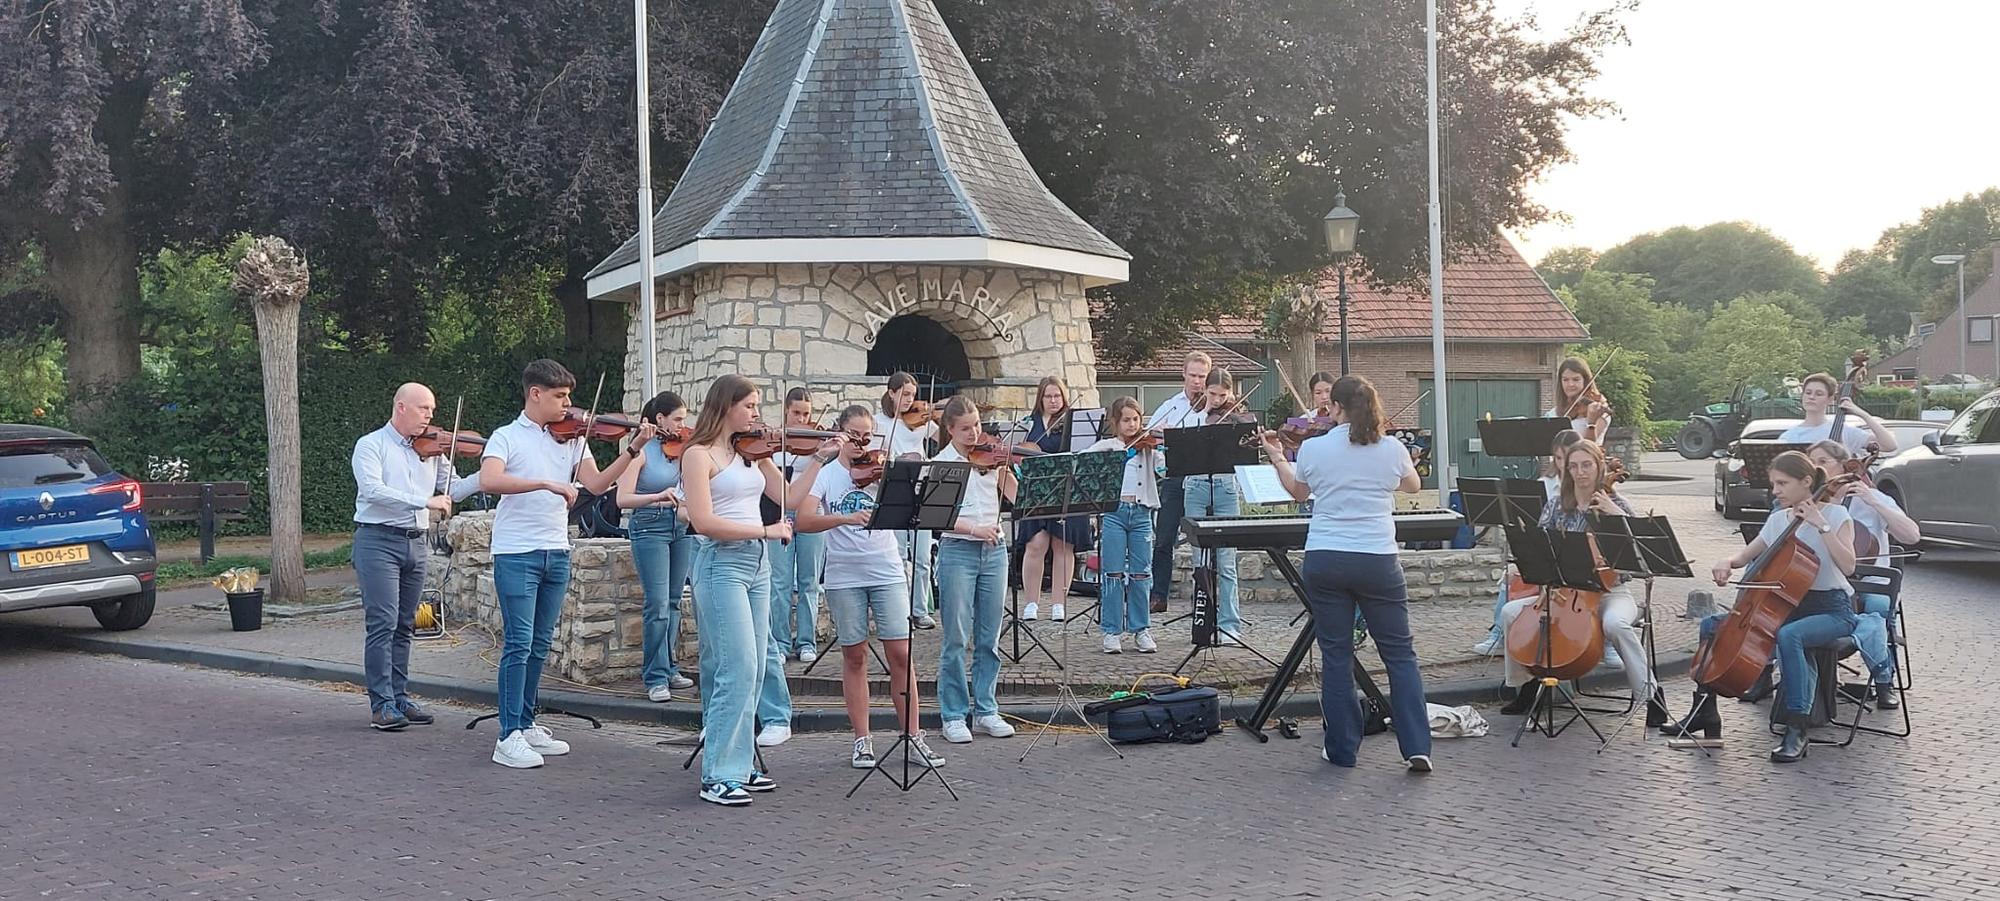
(860,119)
(1490,294)
(1166,362)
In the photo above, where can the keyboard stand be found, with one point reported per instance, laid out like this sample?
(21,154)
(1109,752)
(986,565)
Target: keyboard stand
(1267,703)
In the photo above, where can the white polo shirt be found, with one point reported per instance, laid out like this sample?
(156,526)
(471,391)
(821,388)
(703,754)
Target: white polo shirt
(535,520)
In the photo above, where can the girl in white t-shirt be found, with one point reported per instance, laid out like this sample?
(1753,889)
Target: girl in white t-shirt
(1351,562)
(972,586)
(1125,549)
(1578,400)
(903,441)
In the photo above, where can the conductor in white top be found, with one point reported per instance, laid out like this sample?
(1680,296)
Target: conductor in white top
(1352,475)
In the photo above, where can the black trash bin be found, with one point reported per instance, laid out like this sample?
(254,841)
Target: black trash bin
(246,610)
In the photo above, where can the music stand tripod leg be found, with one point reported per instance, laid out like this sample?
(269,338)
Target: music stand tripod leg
(1066,700)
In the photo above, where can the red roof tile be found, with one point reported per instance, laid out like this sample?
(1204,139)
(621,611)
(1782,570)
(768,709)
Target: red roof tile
(1166,362)
(1489,294)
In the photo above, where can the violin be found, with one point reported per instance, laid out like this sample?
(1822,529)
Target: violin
(762,442)
(920,412)
(674,442)
(988,454)
(868,468)
(1150,439)
(1773,585)
(1296,429)
(579,423)
(435,442)
(1614,471)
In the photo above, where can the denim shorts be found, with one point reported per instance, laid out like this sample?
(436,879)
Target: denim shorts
(851,609)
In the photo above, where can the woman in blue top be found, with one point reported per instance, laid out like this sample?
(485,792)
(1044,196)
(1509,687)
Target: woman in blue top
(1352,475)
(1049,429)
(662,548)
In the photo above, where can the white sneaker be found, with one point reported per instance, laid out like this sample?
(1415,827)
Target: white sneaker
(1491,647)
(660,694)
(1144,639)
(1420,763)
(864,754)
(993,724)
(544,743)
(1611,660)
(514,751)
(680,683)
(1031,611)
(1227,640)
(924,754)
(808,655)
(773,736)
(1114,644)
(1056,612)
(957,732)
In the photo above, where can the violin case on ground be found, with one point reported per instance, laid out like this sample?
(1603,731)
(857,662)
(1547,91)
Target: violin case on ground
(1184,715)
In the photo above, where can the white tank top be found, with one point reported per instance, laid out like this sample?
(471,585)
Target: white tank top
(734,491)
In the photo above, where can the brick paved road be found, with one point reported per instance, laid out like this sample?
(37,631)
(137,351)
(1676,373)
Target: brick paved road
(129,779)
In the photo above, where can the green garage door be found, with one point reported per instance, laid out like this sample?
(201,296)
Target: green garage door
(1471,400)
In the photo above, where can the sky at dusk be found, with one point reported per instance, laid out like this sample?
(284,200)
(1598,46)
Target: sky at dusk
(1824,122)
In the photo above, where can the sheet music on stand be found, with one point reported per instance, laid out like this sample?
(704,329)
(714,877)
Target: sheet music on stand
(1554,558)
(1211,450)
(1260,485)
(1086,427)
(1640,544)
(1056,485)
(908,500)
(1503,502)
(1757,455)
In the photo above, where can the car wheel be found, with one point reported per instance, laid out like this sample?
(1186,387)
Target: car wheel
(127,613)
(1695,442)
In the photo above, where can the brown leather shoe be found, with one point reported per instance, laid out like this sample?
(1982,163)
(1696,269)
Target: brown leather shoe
(1159,605)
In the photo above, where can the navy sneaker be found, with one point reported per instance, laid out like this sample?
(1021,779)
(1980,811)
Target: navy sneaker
(388,719)
(727,794)
(417,715)
(759,782)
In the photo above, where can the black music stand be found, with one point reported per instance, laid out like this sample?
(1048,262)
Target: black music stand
(911,500)
(1554,559)
(1757,455)
(1206,451)
(1521,440)
(1063,485)
(1503,502)
(1643,546)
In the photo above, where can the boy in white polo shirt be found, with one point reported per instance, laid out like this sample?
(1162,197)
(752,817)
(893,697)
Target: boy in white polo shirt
(533,472)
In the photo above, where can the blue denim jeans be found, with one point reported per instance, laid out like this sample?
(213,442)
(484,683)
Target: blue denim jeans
(1337,584)
(1216,496)
(742,672)
(1173,498)
(663,555)
(1794,639)
(795,591)
(1871,635)
(972,586)
(1124,563)
(923,601)
(530,588)
(390,570)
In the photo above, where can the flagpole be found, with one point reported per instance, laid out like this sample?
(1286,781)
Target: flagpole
(647,324)
(1441,423)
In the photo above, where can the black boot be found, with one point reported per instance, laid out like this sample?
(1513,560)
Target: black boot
(1525,697)
(1762,688)
(1656,710)
(1792,748)
(1704,719)
(1885,696)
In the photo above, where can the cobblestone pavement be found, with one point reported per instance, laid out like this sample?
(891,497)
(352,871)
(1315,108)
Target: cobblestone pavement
(142,780)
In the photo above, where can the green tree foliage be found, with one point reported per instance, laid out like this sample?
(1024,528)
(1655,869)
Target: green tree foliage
(1563,267)
(1701,267)
(1758,340)
(1868,286)
(1618,309)
(1967,225)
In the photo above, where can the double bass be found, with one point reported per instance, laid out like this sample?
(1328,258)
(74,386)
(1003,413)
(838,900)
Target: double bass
(1773,585)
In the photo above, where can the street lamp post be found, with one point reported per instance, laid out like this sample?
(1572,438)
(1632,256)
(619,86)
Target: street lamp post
(643,116)
(1342,227)
(1964,322)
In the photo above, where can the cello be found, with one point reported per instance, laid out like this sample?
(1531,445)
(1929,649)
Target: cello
(1570,619)
(1772,587)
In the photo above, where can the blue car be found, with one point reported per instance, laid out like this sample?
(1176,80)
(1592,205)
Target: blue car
(72,531)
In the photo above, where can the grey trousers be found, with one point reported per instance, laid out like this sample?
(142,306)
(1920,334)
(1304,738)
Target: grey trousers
(390,569)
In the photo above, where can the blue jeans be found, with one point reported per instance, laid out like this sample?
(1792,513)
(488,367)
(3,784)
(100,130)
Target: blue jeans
(1173,499)
(390,570)
(1124,558)
(663,554)
(922,602)
(795,574)
(972,586)
(1337,584)
(530,587)
(1794,638)
(1216,496)
(742,672)
(1871,635)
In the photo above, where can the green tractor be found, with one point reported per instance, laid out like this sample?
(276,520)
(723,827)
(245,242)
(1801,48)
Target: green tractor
(1714,426)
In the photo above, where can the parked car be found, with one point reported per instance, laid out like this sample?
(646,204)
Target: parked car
(72,531)
(1950,482)
(1736,498)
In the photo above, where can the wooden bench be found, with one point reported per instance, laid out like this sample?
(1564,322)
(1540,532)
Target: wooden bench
(206,503)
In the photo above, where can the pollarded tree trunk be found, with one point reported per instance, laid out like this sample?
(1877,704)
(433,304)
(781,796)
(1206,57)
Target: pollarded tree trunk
(94,273)
(274,276)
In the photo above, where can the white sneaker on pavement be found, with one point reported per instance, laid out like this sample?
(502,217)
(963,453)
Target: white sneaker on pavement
(774,735)
(1114,644)
(659,694)
(808,655)
(514,751)
(864,754)
(1491,647)
(957,732)
(924,754)
(1056,613)
(680,683)
(1031,611)
(1144,639)
(993,724)
(544,742)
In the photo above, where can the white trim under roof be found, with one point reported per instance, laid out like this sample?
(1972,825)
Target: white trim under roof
(971,251)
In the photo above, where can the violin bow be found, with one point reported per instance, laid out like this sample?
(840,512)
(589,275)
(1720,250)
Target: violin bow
(451,451)
(1411,406)
(589,420)
(1290,388)
(1592,381)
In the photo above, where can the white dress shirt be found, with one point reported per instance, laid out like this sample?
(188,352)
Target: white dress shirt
(392,486)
